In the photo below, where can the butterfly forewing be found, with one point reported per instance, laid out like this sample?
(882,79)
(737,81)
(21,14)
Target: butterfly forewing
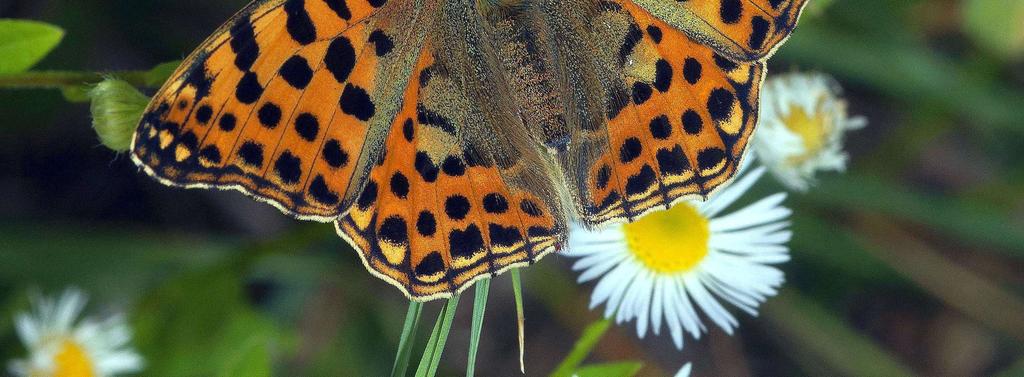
(278,104)
(450,140)
(744,30)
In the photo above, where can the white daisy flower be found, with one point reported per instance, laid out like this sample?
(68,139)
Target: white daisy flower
(61,346)
(802,126)
(669,263)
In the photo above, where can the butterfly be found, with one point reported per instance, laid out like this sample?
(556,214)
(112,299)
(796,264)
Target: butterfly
(451,140)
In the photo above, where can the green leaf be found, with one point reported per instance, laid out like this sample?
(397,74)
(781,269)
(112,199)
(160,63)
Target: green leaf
(76,93)
(479,308)
(438,337)
(619,369)
(591,335)
(252,360)
(155,77)
(24,43)
(405,343)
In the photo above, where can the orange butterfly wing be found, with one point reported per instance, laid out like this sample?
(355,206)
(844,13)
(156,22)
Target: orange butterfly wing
(743,30)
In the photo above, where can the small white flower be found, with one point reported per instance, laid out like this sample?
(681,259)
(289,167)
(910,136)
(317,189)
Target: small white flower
(669,263)
(58,346)
(685,370)
(802,126)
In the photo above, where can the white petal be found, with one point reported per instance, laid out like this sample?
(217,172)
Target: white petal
(671,317)
(656,306)
(27,329)
(618,278)
(121,362)
(628,309)
(643,305)
(685,370)
(69,306)
(684,309)
(714,310)
(602,267)
(741,300)
(763,211)
(619,290)
(738,241)
(730,193)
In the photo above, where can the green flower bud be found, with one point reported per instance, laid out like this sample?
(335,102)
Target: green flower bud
(117,108)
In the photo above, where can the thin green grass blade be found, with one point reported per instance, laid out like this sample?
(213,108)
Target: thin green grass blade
(442,339)
(517,287)
(428,350)
(479,308)
(591,335)
(405,343)
(438,337)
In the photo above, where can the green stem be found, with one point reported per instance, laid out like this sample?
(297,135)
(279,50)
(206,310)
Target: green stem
(591,336)
(67,79)
(405,343)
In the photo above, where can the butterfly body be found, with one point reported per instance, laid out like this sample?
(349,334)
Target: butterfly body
(453,139)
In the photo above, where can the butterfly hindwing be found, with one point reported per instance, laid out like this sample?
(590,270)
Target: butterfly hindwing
(444,208)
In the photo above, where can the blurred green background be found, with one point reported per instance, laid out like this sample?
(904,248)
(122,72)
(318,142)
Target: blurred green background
(912,263)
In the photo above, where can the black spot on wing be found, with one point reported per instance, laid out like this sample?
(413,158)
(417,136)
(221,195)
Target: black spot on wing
(300,26)
(465,243)
(504,236)
(431,118)
(243,43)
(430,265)
(296,72)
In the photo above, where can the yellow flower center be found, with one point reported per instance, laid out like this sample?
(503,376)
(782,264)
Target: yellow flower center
(670,241)
(812,128)
(72,361)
